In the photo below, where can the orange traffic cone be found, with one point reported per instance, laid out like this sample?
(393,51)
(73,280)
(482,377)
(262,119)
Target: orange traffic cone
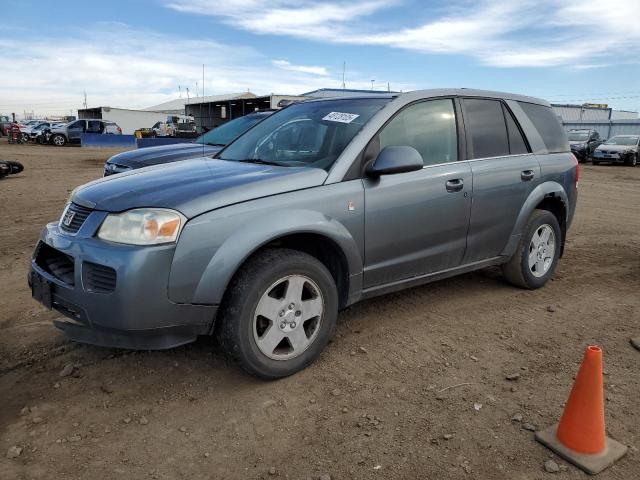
(580,436)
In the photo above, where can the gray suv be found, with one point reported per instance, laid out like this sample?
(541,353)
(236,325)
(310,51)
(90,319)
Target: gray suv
(321,205)
(72,132)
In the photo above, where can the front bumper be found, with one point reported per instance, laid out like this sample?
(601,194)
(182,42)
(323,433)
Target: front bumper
(123,302)
(615,157)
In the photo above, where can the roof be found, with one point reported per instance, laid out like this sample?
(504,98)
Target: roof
(339,92)
(179,103)
(439,92)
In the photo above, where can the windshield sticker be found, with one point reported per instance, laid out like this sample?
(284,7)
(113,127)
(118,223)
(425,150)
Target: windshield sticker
(341,117)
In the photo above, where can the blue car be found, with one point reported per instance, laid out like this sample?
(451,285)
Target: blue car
(206,145)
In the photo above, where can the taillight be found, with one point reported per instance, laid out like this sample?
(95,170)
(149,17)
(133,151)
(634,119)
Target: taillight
(119,130)
(577,169)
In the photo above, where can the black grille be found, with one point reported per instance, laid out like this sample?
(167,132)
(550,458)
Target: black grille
(56,263)
(98,278)
(79,215)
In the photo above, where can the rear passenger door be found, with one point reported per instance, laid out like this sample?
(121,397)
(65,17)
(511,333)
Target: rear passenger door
(416,222)
(504,173)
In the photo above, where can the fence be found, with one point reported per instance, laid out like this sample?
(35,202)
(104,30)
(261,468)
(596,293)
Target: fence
(98,140)
(607,128)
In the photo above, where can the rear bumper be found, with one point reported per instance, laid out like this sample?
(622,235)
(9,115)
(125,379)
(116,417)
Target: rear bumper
(133,311)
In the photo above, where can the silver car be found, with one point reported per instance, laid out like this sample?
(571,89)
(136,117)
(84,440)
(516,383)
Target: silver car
(618,149)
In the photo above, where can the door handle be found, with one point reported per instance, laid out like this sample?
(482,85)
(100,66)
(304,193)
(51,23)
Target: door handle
(527,175)
(454,185)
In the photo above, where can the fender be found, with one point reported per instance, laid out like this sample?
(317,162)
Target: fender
(536,196)
(243,233)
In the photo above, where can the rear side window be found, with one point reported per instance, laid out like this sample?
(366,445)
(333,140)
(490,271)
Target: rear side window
(487,127)
(517,144)
(548,126)
(429,127)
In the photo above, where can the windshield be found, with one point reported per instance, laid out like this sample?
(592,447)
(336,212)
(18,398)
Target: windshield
(225,133)
(578,137)
(311,134)
(622,141)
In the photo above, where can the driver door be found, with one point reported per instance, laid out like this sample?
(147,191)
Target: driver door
(76,130)
(416,222)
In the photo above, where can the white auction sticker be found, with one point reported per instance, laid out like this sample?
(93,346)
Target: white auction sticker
(341,117)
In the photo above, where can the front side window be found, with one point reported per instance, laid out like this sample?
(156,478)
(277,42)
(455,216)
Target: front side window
(309,134)
(79,125)
(429,127)
(487,127)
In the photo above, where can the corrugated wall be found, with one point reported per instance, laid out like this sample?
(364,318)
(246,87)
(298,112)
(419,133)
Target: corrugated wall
(608,129)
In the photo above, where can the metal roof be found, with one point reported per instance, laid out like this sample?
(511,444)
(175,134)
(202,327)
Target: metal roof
(179,103)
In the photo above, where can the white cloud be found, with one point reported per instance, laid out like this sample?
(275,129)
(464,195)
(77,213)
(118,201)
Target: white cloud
(517,33)
(301,18)
(286,65)
(121,67)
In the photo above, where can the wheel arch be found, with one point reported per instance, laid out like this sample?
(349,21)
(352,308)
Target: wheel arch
(548,196)
(312,232)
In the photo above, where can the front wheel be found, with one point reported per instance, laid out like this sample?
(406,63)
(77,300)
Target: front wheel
(58,140)
(279,313)
(632,160)
(538,252)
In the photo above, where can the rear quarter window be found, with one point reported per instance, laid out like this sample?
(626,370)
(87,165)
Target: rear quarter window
(548,126)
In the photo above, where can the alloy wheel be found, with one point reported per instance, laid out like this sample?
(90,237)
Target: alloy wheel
(288,316)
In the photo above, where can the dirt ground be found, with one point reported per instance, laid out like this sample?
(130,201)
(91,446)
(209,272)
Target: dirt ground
(412,386)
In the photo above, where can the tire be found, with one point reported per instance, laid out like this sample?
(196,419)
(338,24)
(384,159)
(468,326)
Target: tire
(517,270)
(595,162)
(59,140)
(632,161)
(265,284)
(16,167)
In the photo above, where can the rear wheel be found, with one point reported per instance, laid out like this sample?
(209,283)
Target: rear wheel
(537,254)
(279,313)
(58,140)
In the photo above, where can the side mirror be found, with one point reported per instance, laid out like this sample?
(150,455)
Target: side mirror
(395,160)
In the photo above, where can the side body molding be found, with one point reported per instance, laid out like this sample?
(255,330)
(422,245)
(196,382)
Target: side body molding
(537,195)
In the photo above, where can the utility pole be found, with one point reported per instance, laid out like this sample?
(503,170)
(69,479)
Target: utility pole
(180,91)
(372,82)
(85,99)
(344,68)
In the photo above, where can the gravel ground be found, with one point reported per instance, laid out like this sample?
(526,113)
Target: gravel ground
(414,385)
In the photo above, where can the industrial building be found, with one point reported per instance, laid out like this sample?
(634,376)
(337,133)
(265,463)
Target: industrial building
(591,112)
(210,112)
(128,120)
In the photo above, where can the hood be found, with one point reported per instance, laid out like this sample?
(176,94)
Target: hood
(194,186)
(616,148)
(143,157)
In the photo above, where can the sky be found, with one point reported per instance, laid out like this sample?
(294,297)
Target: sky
(138,53)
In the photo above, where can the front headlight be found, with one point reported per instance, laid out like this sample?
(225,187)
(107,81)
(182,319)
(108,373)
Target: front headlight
(142,226)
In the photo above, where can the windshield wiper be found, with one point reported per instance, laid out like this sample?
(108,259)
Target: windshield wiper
(217,144)
(260,162)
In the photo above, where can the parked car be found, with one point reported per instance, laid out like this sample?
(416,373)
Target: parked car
(31,131)
(208,144)
(618,149)
(320,205)
(583,143)
(72,132)
(5,125)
